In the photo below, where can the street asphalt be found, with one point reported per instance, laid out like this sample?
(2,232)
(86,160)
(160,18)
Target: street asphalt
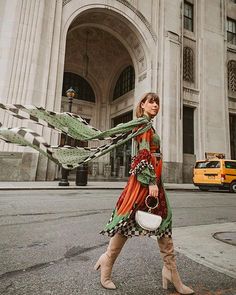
(50,242)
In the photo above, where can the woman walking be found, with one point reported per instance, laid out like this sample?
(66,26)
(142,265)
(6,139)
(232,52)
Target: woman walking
(145,176)
(145,179)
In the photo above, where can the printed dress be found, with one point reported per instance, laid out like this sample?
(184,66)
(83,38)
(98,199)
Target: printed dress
(146,168)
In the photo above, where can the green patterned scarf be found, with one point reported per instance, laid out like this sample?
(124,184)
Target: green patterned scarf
(73,126)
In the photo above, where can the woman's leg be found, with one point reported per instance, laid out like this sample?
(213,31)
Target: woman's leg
(107,260)
(169,271)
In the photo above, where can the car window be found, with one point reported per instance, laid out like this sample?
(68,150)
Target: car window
(200,165)
(207,164)
(213,164)
(230,165)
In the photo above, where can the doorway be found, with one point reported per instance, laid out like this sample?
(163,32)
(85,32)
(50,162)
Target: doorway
(232,124)
(121,156)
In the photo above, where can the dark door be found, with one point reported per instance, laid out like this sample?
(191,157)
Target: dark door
(121,156)
(188,130)
(232,125)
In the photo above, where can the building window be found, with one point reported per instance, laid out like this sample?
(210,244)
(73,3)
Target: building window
(232,76)
(188,16)
(188,130)
(80,85)
(125,82)
(188,65)
(232,125)
(231,31)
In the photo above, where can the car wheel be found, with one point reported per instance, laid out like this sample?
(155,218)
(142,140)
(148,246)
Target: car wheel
(204,189)
(232,187)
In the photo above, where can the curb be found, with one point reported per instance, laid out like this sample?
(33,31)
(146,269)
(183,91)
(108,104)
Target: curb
(84,188)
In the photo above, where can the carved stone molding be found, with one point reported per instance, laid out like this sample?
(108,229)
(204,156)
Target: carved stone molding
(174,37)
(232,111)
(233,99)
(142,77)
(190,103)
(191,96)
(64,2)
(136,11)
(141,17)
(191,90)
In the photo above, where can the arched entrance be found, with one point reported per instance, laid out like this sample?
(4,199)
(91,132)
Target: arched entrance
(100,44)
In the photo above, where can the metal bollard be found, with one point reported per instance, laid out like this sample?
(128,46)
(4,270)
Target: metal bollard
(81,175)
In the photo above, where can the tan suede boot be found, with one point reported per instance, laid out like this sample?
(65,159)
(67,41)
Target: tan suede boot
(107,260)
(169,271)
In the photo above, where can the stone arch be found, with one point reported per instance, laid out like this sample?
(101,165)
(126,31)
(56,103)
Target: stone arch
(137,39)
(136,11)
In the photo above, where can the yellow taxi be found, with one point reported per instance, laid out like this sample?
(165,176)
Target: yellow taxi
(215,173)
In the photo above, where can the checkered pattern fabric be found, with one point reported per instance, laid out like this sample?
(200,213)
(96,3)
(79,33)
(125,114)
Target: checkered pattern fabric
(131,229)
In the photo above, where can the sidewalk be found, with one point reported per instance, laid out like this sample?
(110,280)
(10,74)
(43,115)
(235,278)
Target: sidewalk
(52,185)
(199,243)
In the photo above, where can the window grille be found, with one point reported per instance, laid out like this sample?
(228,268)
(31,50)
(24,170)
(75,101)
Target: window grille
(232,76)
(188,65)
(125,82)
(80,85)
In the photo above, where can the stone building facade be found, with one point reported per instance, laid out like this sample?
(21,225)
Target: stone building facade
(111,52)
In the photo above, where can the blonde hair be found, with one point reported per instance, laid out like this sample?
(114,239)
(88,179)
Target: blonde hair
(150,96)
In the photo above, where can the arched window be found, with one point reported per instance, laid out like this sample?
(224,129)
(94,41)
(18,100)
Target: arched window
(125,82)
(80,85)
(232,75)
(188,65)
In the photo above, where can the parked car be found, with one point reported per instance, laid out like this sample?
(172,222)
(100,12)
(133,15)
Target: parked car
(215,173)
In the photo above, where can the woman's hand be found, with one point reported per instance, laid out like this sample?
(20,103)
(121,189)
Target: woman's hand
(153,190)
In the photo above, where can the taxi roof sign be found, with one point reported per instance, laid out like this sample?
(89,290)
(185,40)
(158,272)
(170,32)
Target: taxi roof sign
(214,156)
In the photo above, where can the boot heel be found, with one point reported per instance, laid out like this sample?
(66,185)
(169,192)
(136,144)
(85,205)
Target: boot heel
(164,283)
(97,265)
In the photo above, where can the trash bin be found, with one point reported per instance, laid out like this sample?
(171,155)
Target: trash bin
(81,175)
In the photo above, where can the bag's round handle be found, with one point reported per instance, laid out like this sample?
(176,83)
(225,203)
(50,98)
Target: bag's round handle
(155,199)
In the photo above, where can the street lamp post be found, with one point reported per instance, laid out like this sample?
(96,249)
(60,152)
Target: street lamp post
(70,93)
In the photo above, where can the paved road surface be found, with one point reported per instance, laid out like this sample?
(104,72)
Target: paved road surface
(49,242)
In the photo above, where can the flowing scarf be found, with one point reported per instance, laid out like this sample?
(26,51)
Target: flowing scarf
(74,127)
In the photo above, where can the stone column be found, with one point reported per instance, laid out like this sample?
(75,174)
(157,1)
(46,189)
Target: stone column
(171,105)
(214,103)
(29,40)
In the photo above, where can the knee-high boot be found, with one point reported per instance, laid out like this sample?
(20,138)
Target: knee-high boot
(169,271)
(107,260)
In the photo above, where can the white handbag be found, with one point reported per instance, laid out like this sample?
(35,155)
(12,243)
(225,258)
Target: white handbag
(147,220)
